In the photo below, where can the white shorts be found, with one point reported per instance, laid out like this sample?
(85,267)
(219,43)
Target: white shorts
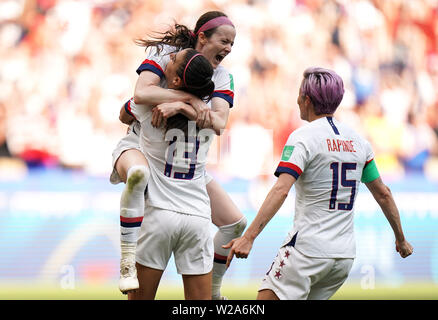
(130,141)
(187,236)
(294,276)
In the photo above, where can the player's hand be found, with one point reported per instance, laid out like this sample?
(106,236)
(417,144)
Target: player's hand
(240,247)
(404,248)
(201,109)
(162,112)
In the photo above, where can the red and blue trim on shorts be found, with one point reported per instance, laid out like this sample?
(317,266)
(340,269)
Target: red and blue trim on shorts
(151,65)
(290,168)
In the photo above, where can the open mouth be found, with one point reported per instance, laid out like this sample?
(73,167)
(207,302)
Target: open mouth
(220,57)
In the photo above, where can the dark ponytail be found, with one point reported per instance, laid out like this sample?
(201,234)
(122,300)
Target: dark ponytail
(197,73)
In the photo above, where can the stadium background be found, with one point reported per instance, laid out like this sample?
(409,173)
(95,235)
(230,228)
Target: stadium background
(67,66)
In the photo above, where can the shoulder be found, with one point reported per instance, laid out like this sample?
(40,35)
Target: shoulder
(161,50)
(223,80)
(220,70)
(352,132)
(304,131)
(167,49)
(299,135)
(221,73)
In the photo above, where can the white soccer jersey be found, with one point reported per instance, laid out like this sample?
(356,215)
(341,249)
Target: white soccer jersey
(177,165)
(327,158)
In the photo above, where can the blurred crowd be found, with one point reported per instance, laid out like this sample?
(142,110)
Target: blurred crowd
(67,66)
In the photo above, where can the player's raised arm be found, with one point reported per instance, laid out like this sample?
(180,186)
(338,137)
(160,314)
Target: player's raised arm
(382,194)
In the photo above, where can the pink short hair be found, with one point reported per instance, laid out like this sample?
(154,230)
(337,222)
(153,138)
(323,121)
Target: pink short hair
(325,89)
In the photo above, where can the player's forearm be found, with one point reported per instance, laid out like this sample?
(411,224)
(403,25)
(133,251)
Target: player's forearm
(124,117)
(219,115)
(153,95)
(187,110)
(218,121)
(393,217)
(269,208)
(389,208)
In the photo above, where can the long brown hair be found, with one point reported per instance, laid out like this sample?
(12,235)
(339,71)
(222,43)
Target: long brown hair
(180,36)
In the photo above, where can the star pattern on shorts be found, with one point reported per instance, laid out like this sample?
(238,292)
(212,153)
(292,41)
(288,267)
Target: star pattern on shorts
(282,264)
(277,274)
(287,254)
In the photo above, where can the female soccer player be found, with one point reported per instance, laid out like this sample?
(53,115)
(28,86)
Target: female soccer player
(326,160)
(177,216)
(213,36)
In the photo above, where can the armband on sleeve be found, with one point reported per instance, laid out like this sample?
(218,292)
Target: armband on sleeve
(370,172)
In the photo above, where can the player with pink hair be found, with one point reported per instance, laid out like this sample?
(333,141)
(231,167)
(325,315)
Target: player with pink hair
(326,161)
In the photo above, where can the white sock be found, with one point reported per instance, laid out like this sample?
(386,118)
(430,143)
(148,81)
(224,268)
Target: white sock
(224,235)
(132,203)
(128,250)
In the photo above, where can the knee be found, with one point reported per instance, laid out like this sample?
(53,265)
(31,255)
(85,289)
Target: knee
(241,225)
(235,229)
(137,176)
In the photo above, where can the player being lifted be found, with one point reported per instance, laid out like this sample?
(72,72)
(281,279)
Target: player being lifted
(326,160)
(177,215)
(213,36)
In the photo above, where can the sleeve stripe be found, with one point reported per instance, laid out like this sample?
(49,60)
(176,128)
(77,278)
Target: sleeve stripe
(151,65)
(227,92)
(368,162)
(226,95)
(286,170)
(290,168)
(128,109)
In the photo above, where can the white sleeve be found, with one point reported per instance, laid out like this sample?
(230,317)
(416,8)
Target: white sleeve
(139,112)
(156,62)
(294,157)
(223,85)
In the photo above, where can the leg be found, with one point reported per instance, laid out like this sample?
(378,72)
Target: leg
(267,294)
(223,210)
(128,159)
(132,167)
(197,287)
(231,223)
(193,252)
(149,280)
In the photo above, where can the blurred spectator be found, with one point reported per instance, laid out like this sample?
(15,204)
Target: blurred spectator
(68,65)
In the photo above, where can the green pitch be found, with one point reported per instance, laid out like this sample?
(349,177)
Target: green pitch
(410,291)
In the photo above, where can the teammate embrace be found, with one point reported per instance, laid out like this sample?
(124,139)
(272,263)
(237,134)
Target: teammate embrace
(181,185)
(180,80)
